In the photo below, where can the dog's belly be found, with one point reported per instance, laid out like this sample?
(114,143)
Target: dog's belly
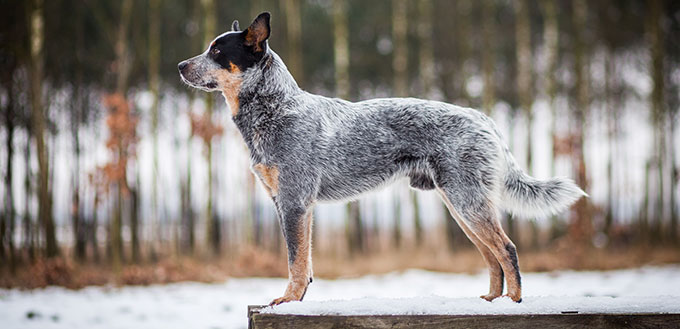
(342,183)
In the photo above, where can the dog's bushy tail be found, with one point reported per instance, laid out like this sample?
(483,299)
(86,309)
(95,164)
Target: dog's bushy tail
(526,196)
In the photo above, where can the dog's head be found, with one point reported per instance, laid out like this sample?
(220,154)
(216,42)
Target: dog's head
(219,68)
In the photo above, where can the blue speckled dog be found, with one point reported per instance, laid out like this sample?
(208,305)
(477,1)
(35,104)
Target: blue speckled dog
(307,148)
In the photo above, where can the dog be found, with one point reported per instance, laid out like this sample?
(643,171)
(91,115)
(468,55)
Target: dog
(307,148)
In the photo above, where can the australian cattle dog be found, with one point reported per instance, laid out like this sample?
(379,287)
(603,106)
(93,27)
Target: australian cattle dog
(307,148)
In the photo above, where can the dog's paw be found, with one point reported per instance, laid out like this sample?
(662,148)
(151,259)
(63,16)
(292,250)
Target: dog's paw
(284,299)
(516,299)
(489,297)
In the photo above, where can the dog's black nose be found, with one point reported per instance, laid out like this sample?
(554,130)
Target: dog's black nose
(182,65)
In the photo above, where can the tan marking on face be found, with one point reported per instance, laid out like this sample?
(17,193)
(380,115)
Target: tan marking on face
(229,81)
(491,241)
(269,177)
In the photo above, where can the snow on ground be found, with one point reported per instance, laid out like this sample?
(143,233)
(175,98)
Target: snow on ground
(223,305)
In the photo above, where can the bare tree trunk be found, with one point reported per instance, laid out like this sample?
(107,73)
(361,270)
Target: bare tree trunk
(134,222)
(115,233)
(673,226)
(643,229)
(154,87)
(28,227)
(524,74)
(188,214)
(488,55)
(38,116)
(294,38)
(123,59)
(77,112)
(525,86)
(341,49)
(93,227)
(213,236)
(655,34)
(426,48)
(552,42)
(612,137)
(7,234)
(79,238)
(462,32)
(400,54)
(580,230)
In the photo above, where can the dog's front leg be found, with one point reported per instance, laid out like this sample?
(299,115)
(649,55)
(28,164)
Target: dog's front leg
(296,223)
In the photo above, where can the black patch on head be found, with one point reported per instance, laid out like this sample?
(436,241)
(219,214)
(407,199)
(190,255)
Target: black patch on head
(242,48)
(512,253)
(231,48)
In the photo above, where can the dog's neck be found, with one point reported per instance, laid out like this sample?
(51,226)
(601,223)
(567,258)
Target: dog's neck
(268,78)
(264,91)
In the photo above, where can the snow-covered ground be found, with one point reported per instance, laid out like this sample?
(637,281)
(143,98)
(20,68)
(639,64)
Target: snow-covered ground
(223,305)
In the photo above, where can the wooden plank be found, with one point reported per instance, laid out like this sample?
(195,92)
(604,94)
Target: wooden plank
(257,320)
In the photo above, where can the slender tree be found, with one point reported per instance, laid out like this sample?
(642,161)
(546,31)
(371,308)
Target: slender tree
(154,87)
(213,237)
(118,109)
(656,45)
(551,42)
(488,55)
(294,38)
(188,214)
(463,24)
(612,122)
(426,65)
(8,220)
(79,236)
(580,229)
(341,49)
(524,74)
(27,226)
(39,131)
(400,53)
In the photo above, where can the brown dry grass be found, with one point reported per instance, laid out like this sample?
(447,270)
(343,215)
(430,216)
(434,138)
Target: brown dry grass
(254,262)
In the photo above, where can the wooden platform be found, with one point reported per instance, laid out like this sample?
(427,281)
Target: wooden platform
(257,320)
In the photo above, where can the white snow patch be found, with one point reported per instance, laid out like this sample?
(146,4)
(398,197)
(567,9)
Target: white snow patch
(224,305)
(475,306)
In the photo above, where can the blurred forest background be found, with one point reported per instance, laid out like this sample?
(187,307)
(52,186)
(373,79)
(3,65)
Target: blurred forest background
(112,170)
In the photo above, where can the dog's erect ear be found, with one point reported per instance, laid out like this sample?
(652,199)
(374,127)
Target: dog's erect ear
(258,32)
(234,26)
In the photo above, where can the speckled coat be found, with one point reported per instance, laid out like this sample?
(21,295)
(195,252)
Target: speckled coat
(307,148)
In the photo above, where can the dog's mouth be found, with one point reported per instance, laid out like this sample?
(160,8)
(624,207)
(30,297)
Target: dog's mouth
(206,86)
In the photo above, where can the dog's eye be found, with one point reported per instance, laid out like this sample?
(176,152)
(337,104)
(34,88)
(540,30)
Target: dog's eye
(215,51)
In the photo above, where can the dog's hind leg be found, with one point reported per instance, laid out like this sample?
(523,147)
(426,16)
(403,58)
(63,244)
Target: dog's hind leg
(477,215)
(489,230)
(495,269)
